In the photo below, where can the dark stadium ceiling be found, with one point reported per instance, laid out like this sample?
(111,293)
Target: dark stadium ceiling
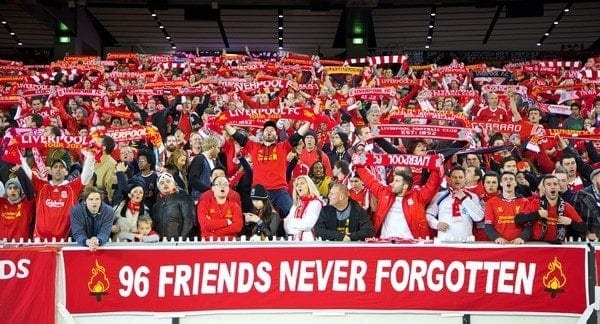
(309,26)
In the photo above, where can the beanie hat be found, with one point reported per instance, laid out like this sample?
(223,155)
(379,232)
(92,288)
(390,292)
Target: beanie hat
(259,193)
(14,181)
(135,183)
(311,133)
(165,176)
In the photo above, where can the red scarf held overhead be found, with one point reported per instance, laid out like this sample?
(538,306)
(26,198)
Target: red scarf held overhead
(133,206)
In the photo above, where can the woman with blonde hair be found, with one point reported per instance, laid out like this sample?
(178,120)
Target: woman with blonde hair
(179,159)
(305,210)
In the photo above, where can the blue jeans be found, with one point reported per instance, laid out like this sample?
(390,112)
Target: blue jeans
(281,200)
(283,203)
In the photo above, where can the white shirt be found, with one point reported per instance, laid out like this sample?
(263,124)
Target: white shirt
(459,227)
(211,162)
(395,224)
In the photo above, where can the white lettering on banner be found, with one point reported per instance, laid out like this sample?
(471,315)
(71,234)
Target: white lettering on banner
(264,112)
(54,203)
(9,269)
(409,159)
(300,275)
(137,282)
(213,278)
(500,276)
(69,140)
(501,127)
(127,135)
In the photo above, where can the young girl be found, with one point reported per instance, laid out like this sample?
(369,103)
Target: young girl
(264,220)
(130,209)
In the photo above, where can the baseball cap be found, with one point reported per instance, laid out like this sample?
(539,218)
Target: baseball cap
(270,123)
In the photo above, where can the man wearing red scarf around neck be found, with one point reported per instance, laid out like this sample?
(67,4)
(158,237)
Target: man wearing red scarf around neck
(549,215)
(453,211)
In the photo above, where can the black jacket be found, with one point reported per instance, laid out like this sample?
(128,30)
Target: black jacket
(174,215)
(359,224)
(585,204)
(266,229)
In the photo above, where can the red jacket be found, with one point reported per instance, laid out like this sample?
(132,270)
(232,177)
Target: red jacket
(213,217)
(552,222)
(414,201)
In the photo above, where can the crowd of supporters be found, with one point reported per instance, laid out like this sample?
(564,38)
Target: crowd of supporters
(145,147)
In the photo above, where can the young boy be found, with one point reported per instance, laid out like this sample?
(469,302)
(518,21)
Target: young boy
(145,233)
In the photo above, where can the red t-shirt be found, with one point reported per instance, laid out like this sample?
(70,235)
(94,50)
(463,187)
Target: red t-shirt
(499,115)
(500,213)
(15,220)
(53,207)
(269,164)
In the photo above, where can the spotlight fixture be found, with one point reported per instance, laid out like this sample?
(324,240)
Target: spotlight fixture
(432,15)
(280,28)
(566,9)
(10,31)
(162,28)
